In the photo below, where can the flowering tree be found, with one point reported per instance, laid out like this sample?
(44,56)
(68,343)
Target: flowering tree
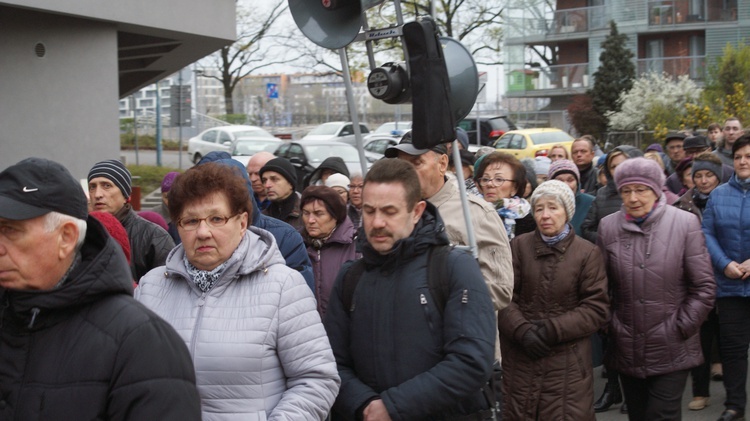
(655,99)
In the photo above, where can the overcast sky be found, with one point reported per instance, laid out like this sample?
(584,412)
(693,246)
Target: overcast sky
(495,79)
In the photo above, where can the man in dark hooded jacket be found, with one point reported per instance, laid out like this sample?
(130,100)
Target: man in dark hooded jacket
(402,355)
(329,166)
(74,344)
(287,238)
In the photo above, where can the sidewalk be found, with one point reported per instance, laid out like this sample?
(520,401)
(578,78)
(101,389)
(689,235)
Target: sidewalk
(711,413)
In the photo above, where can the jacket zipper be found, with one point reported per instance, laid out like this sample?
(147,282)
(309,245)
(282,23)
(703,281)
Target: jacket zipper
(423,301)
(196,327)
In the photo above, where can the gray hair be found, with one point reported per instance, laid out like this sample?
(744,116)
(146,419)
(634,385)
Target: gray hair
(53,220)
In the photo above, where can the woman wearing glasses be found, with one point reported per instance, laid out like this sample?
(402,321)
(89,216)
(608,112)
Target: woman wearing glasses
(662,290)
(249,321)
(501,178)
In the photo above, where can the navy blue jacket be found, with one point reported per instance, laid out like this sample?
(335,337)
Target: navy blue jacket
(287,238)
(726,224)
(396,346)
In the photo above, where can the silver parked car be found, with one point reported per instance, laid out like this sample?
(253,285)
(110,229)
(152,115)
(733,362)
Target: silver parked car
(223,139)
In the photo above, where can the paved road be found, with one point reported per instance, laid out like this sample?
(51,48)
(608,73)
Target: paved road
(711,413)
(148,157)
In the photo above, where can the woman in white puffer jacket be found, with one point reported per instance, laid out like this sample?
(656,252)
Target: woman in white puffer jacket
(250,322)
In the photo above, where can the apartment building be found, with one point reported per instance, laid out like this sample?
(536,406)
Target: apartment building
(553,53)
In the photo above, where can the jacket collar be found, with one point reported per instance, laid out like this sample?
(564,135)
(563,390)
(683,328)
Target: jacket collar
(541,248)
(102,272)
(256,252)
(287,208)
(446,192)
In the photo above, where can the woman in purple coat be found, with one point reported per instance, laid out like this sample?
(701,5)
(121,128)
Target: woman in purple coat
(329,236)
(662,289)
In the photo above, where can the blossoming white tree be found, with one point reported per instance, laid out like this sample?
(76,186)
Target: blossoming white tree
(654,97)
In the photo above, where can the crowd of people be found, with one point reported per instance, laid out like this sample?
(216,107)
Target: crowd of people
(253,292)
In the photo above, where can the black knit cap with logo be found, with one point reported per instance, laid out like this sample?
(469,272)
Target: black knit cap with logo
(37,186)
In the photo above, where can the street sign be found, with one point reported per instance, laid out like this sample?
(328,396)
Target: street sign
(272,90)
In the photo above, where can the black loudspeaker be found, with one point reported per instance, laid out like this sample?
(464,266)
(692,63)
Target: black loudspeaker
(330,23)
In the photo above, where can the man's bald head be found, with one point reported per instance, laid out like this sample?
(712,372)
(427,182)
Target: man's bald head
(253,170)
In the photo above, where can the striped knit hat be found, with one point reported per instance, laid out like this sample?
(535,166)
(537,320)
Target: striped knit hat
(114,171)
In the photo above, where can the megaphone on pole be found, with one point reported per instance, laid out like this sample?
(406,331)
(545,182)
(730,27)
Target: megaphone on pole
(329,23)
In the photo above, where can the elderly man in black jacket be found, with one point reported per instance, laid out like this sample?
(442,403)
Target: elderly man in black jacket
(401,353)
(109,191)
(74,344)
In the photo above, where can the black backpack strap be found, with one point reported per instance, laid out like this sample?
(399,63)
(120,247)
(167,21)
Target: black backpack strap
(437,275)
(349,283)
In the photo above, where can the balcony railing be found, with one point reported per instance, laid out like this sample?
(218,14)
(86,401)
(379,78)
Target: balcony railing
(567,77)
(693,66)
(561,22)
(678,12)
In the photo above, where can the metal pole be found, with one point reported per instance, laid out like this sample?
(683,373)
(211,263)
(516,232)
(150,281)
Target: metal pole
(135,128)
(464,200)
(353,109)
(179,120)
(158,126)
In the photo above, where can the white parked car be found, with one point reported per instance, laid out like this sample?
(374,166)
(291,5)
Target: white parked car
(244,148)
(395,129)
(223,139)
(336,130)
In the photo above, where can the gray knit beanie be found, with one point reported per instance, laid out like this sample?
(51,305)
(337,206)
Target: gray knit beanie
(559,191)
(114,171)
(699,164)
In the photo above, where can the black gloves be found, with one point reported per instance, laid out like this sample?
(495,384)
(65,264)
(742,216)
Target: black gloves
(535,345)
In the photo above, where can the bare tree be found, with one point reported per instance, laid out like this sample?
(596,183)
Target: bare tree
(475,23)
(252,51)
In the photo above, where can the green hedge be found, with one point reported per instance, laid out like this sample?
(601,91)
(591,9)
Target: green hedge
(127,141)
(150,177)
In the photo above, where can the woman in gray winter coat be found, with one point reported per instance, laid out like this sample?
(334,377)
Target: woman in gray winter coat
(249,321)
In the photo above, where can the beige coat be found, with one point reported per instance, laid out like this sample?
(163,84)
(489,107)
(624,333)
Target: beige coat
(494,251)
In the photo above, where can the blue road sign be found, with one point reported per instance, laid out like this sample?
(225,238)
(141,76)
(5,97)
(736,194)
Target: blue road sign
(272,90)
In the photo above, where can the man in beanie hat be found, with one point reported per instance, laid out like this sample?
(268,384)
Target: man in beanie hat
(109,191)
(279,177)
(662,289)
(75,344)
(161,209)
(566,171)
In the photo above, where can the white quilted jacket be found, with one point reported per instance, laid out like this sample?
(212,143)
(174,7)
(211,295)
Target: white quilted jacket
(259,348)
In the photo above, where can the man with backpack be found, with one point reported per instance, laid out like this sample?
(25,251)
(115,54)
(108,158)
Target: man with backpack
(411,324)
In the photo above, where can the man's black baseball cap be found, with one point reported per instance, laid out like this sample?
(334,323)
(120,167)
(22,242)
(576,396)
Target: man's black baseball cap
(37,186)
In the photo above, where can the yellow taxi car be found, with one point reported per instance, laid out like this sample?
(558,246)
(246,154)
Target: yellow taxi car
(530,143)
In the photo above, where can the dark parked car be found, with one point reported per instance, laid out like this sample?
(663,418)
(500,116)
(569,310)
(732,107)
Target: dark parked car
(491,128)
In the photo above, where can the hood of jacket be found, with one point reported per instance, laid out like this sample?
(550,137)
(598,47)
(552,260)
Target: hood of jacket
(224,158)
(256,252)
(102,271)
(333,163)
(429,231)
